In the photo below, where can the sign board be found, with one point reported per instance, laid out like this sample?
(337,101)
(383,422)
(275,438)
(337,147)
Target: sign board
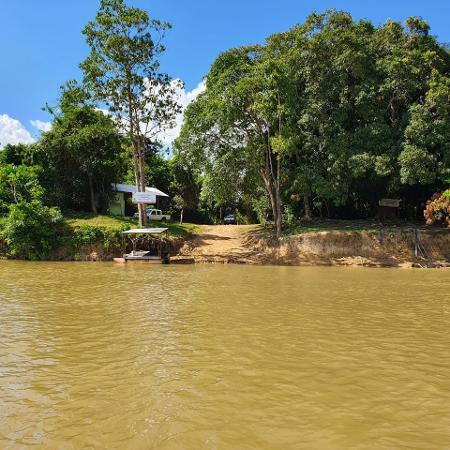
(144,197)
(389,202)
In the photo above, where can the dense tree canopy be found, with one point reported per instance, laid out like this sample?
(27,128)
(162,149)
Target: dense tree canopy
(82,154)
(335,110)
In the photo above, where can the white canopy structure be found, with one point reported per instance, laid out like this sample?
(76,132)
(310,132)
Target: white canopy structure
(158,253)
(145,231)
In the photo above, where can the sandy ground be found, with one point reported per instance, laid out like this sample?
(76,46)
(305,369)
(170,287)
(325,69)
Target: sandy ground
(221,243)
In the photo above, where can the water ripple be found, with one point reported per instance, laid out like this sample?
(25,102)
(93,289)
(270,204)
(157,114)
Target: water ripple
(213,357)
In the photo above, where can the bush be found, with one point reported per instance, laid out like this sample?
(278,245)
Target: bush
(31,229)
(88,234)
(438,209)
(93,234)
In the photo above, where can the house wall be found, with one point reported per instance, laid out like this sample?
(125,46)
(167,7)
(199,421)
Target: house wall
(117,206)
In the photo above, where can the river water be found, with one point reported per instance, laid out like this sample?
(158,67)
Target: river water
(96,355)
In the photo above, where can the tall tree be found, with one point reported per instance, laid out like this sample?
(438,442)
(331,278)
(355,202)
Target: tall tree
(230,123)
(83,152)
(123,72)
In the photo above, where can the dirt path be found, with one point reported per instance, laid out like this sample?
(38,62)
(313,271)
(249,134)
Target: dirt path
(220,243)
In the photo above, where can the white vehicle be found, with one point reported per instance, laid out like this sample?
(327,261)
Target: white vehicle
(156,215)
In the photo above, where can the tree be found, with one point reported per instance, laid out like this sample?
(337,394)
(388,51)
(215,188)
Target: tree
(83,150)
(19,184)
(122,71)
(230,124)
(185,186)
(425,157)
(18,154)
(333,112)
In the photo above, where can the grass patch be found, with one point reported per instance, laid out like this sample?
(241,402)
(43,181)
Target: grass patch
(80,219)
(348,225)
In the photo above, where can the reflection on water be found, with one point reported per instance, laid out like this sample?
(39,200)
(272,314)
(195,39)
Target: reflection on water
(223,357)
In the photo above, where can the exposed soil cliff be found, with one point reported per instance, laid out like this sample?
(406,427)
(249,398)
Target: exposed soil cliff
(381,248)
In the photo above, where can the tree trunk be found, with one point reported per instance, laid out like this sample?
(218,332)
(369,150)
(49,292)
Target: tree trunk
(138,155)
(307,201)
(139,172)
(279,217)
(92,193)
(181,216)
(275,202)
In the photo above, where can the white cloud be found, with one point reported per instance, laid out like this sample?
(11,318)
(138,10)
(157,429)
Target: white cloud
(184,98)
(13,132)
(41,125)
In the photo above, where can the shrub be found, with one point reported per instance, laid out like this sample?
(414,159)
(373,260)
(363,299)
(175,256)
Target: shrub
(88,234)
(31,229)
(438,209)
(94,234)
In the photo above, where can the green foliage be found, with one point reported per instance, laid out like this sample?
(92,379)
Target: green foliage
(88,234)
(261,206)
(31,229)
(241,219)
(426,154)
(185,186)
(94,234)
(335,109)
(123,68)
(18,154)
(19,184)
(289,216)
(417,165)
(158,172)
(82,153)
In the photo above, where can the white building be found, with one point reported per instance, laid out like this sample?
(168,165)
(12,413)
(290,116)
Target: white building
(121,202)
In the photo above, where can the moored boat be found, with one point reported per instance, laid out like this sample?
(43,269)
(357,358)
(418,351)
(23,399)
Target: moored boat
(158,255)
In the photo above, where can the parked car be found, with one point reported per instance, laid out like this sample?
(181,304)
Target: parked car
(156,215)
(229,219)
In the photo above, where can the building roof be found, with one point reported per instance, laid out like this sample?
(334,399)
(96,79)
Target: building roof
(145,231)
(131,189)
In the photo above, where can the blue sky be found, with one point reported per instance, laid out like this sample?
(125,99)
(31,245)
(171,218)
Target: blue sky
(41,43)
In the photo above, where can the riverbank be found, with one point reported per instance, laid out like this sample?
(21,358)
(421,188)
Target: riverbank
(356,245)
(88,237)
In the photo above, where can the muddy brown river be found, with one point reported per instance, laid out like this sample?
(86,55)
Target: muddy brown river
(96,356)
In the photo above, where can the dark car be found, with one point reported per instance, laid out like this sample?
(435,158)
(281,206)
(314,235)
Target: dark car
(229,219)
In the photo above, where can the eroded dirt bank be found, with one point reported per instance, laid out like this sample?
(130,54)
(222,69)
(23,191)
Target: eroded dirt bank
(381,248)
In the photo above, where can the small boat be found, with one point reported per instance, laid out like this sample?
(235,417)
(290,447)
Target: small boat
(159,256)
